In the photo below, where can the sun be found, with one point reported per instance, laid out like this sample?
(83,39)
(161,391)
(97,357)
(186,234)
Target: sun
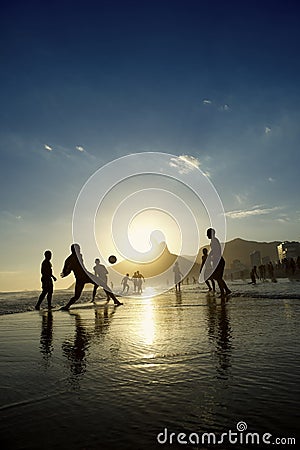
(150,227)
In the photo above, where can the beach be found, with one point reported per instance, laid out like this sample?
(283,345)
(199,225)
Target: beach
(127,377)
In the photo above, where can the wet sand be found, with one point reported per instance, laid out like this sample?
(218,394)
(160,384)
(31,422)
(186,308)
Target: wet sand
(115,378)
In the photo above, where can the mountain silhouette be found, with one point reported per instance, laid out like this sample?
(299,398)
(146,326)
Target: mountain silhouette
(152,268)
(241,249)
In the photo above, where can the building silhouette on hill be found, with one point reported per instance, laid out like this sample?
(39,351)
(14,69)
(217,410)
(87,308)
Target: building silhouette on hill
(287,250)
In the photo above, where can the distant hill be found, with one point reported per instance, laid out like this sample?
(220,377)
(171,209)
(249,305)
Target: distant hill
(241,249)
(157,266)
(149,269)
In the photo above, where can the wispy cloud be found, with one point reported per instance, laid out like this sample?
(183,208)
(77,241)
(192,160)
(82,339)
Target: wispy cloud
(256,211)
(267,130)
(190,160)
(79,148)
(184,163)
(225,108)
(283,219)
(10,217)
(48,148)
(271,179)
(240,198)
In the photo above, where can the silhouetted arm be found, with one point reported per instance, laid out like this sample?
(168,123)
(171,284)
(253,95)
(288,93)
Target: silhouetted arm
(66,269)
(203,262)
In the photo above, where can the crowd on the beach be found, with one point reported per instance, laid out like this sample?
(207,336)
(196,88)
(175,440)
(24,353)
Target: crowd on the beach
(261,272)
(287,267)
(212,263)
(212,266)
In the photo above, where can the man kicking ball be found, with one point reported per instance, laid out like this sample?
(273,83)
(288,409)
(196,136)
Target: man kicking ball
(74,263)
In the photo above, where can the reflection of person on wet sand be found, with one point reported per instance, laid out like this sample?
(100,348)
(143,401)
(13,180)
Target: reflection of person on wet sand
(220,332)
(204,258)
(217,263)
(75,263)
(100,271)
(103,317)
(47,283)
(76,350)
(46,335)
(177,276)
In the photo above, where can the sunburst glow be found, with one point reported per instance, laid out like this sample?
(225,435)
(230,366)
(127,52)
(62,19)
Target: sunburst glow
(151,227)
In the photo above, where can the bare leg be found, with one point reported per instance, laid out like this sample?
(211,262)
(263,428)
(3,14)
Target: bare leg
(224,290)
(94,292)
(111,295)
(41,298)
(208,285)
(49,295)
(47,290)
(78,290)
(221,287)
(227,290)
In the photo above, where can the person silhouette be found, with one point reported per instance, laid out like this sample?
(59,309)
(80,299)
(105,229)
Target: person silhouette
(47,283)
(140,277)
(125,284)
(204,258)
(217,262)
(100,271)
(135,281)
(253,275)
(177,276)
(74,263)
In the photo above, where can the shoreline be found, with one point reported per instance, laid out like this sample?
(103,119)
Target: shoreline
(18,302)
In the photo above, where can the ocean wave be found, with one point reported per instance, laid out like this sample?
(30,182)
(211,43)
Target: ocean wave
(20,302)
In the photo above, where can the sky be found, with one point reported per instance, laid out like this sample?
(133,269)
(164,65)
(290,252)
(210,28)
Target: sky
(85,83)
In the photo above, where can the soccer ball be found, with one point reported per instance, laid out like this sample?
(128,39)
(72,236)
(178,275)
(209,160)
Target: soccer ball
(112,259)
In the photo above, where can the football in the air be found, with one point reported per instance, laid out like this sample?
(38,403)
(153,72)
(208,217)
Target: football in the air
(112,259)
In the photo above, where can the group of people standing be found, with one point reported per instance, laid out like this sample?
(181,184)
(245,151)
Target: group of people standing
(137,279)
(74,263)
(262,272)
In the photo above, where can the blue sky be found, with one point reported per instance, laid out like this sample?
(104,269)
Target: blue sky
(83,83)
